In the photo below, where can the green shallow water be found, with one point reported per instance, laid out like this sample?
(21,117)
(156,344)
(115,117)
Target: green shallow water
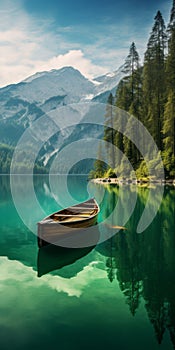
(119,294)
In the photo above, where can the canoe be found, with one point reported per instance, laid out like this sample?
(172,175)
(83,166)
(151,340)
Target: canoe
(64,223)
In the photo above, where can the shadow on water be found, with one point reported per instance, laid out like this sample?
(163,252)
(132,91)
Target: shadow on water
(52,258)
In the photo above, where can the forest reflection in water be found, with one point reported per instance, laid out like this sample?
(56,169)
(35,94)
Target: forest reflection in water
(142,264)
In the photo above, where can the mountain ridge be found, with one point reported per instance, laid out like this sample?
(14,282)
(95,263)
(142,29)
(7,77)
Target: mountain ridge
(23,103)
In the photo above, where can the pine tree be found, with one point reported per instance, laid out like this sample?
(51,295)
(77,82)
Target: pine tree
(131,68)
(122,103)
(129,98)
(171,24)
(169,115)
(154,79)
(170,63)
(109,133)
(99,165)
(123,95)
(169,132)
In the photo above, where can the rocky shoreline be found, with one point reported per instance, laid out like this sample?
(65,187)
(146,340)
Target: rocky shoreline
(127,181)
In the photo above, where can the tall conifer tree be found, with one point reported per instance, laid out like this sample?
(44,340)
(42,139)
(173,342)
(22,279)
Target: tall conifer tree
(109,134)
(169,114)
(131,68)
(128,98)
(154,79)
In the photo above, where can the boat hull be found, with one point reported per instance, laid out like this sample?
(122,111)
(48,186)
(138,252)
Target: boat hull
(69,232)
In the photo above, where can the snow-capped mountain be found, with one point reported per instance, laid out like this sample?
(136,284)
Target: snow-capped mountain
(26,101)
(109,81)
(23,103)
(67,83)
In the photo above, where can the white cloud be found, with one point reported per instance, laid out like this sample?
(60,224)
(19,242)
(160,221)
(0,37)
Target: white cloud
(74,58)
(74,286)
(28,45)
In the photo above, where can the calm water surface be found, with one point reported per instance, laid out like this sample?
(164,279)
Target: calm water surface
(119,294)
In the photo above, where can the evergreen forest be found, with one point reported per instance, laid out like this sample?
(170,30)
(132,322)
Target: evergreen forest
(146,92)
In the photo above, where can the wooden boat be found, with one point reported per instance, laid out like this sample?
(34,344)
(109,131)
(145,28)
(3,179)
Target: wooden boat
(64,223)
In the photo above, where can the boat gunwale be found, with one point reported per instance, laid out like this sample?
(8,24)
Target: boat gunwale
(43,221)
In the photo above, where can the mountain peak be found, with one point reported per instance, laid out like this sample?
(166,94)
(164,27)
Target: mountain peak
(63,70)
(66,84)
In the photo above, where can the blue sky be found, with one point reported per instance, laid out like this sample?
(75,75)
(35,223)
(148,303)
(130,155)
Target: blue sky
(92,12)
(93,36)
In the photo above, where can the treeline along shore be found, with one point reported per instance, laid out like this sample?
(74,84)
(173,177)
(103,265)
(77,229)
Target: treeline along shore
(146,92)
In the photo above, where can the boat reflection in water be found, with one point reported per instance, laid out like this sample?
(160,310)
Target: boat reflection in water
(52,257)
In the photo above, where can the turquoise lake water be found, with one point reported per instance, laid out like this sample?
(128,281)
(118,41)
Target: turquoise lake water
(119,294)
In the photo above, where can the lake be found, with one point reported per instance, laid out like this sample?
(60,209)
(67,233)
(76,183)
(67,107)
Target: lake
(119,294)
